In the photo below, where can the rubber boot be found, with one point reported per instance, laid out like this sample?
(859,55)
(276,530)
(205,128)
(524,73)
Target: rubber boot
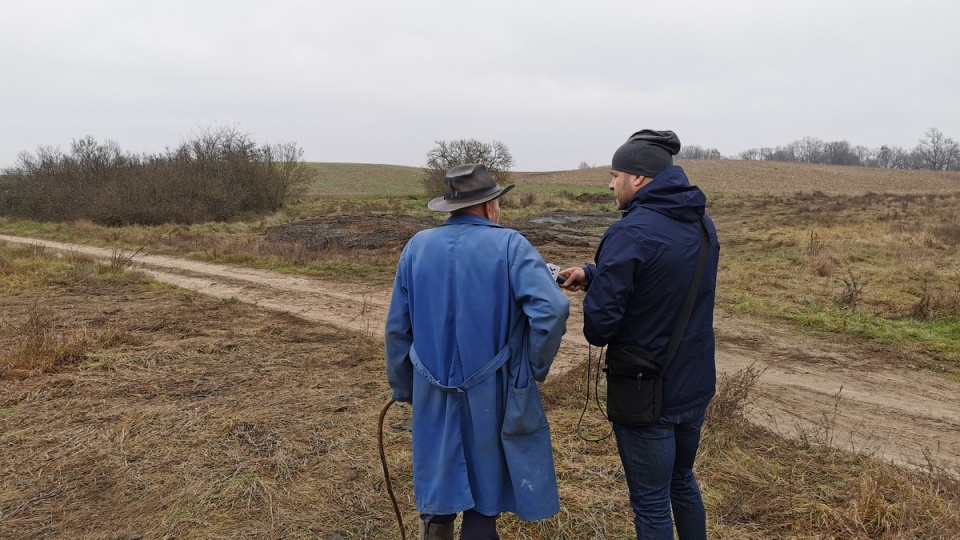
(436,531)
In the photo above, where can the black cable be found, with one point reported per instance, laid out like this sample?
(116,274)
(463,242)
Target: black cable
(596,394)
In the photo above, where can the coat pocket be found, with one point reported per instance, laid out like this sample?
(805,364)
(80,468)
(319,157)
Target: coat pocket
(525,437)
(523,413)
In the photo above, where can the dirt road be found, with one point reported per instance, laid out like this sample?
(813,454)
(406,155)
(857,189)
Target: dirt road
(834,393)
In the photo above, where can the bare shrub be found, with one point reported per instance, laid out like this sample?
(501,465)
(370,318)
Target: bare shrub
(733,395)
(852,292)
(219,175)
(923,309)
(122,260)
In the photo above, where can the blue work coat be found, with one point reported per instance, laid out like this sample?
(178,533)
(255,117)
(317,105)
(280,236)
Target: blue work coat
(475,319)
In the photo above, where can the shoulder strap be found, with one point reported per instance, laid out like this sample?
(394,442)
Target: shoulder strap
(681,325)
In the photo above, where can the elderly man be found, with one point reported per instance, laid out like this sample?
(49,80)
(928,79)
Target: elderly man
(636,293)
(475,320)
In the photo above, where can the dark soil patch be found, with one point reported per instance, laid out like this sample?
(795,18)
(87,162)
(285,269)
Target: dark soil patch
(573,229)
(373,232)
(364,231)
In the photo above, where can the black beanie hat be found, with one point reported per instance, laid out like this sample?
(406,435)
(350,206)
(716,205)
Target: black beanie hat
(646,152)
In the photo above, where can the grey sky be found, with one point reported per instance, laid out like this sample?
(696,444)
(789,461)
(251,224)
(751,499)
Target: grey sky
(559,82)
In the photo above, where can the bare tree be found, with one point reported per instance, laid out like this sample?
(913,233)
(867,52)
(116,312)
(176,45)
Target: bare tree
(936,151)
(809,150)
(865,155)
(839,153)
(694,151)
(446,154)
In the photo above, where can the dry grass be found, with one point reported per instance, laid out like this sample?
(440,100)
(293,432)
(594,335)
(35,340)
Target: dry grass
(870,264)
(715,176)
(735,177)
(41,345)
(214,419)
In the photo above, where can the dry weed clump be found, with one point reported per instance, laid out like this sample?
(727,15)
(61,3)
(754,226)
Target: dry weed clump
(733,396)
(851,294)
(39,344)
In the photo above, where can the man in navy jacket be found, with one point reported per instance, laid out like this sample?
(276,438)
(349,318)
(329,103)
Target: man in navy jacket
(644,268)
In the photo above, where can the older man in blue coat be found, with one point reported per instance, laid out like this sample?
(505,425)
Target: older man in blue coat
(475,321)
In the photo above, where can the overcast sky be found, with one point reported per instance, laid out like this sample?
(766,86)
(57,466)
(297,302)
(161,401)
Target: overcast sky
(559,82)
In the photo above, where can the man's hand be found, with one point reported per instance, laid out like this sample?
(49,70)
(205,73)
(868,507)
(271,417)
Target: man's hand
(576,279)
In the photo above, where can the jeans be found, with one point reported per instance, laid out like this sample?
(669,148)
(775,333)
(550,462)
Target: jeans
(658,464)
(475,526)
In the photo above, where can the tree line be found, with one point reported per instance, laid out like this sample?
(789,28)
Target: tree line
(934,151)
(219,175)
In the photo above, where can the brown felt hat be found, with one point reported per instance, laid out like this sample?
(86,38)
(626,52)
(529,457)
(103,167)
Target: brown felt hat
(467,185)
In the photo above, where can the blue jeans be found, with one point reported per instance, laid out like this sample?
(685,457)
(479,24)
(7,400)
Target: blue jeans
(658,463)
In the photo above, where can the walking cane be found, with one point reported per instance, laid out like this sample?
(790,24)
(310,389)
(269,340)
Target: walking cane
(386,471)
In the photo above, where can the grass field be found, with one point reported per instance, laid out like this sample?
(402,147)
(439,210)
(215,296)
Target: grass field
(129,409)
(714,176)
(865,252)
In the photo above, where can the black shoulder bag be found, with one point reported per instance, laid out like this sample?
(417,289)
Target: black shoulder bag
(634,378)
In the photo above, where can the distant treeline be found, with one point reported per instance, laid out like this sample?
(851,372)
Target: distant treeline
(219,175)
(934,151)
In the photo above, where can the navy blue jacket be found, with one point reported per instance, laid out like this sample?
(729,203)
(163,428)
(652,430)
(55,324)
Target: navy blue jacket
(644,267)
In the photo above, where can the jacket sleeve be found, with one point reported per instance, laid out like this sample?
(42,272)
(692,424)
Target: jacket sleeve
(611,286)
(544,305)
(589,271)
(398,338)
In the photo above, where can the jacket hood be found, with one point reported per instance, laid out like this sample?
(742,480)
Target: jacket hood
(671,194)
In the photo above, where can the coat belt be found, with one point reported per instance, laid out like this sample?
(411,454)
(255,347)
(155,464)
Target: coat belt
(479,376)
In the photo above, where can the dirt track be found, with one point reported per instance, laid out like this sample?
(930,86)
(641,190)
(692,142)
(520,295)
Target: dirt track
(836,393)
